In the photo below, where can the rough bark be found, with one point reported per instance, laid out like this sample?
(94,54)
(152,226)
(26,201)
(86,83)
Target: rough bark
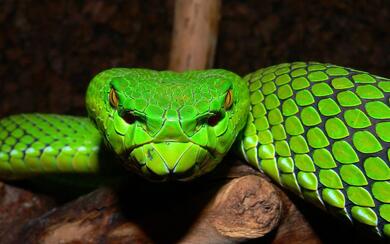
(17,207)
(195,34)
(234,204)
(225,207)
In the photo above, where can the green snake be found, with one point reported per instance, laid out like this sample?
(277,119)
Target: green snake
(322,131)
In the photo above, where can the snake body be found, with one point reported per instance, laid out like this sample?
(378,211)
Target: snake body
(320,130)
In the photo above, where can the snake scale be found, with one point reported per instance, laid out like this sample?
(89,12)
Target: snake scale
(322,131)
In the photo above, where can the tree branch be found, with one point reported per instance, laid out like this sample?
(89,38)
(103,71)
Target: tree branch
(195,34)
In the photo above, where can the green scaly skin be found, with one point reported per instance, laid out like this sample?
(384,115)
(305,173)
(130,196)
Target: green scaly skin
(319,130)
(33,144)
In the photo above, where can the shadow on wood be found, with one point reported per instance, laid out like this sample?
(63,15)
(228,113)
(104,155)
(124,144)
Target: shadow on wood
(225,207)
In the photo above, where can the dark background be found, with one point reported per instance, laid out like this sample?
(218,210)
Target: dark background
(49,50)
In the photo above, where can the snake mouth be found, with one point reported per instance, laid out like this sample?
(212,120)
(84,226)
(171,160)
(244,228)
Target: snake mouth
(184,176)
(169,160)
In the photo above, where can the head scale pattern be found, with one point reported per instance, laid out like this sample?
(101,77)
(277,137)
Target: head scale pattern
(167,125)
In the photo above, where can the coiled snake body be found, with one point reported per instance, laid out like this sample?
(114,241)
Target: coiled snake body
(319,130)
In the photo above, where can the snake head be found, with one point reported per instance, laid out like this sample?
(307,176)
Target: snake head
(166,125)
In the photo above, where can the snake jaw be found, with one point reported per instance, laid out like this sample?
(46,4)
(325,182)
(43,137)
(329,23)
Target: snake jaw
(190,174)
(171,160)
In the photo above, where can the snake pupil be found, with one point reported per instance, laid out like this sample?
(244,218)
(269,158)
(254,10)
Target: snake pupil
(129,117)
(214,119)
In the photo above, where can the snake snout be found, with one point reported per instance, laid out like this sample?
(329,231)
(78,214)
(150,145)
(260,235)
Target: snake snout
(173,160)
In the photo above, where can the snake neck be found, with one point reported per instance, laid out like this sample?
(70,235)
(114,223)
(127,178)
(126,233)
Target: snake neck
(257,142)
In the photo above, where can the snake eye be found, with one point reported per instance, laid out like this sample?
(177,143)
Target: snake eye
(214,119)
(129,117)
(228,99)
(113,98)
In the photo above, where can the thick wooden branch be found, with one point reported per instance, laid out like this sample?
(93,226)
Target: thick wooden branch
(246,207)
(195,34)
(17,208)
(231,205)
(220,209)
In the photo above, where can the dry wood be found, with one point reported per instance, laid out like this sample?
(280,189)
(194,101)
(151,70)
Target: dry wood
(294,227)
(195,34)
(17,207)
(231,205)
(218,209)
